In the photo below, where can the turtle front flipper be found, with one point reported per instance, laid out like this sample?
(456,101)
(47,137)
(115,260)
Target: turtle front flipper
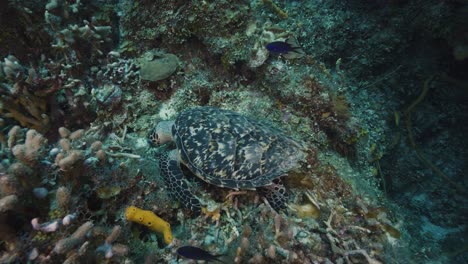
(275,194)
(175,182)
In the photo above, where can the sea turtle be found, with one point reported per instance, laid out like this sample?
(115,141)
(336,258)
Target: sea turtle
(225,149)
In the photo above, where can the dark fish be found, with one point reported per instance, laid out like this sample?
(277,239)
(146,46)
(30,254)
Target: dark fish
(197,254)
(290,49)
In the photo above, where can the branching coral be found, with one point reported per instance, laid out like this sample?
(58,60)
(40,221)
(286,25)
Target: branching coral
(27,97)
(18,102)
(8,202)
(27,109)
(7,233)
(69,158)
(64,245)
(30,152)
(29,94)
(109,248)
(77,44)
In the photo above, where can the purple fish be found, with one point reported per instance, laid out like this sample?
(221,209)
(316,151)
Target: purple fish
(290,48)
(196,253)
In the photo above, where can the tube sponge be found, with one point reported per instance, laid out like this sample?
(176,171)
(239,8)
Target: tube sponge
(150,220)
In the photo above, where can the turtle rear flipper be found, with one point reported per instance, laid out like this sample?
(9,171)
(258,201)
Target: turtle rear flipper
(275,194)
(176,184)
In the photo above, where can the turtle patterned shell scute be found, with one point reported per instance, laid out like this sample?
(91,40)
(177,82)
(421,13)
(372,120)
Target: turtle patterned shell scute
(230,150)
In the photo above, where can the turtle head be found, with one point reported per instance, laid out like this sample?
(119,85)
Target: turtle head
(161,134)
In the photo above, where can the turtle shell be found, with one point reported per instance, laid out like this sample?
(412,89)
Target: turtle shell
(230,150)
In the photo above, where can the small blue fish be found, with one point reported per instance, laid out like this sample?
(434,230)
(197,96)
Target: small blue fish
(197,254)
(290,49)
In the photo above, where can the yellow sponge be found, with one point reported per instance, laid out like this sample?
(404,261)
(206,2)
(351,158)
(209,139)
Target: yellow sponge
(150,220)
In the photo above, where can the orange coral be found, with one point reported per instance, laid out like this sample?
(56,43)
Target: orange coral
(214,215)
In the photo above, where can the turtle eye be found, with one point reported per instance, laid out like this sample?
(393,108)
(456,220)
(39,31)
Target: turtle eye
(153,138)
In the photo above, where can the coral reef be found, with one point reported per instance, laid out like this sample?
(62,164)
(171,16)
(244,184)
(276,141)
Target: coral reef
(43,94)
(69,166)
(17,101)
(378,102)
